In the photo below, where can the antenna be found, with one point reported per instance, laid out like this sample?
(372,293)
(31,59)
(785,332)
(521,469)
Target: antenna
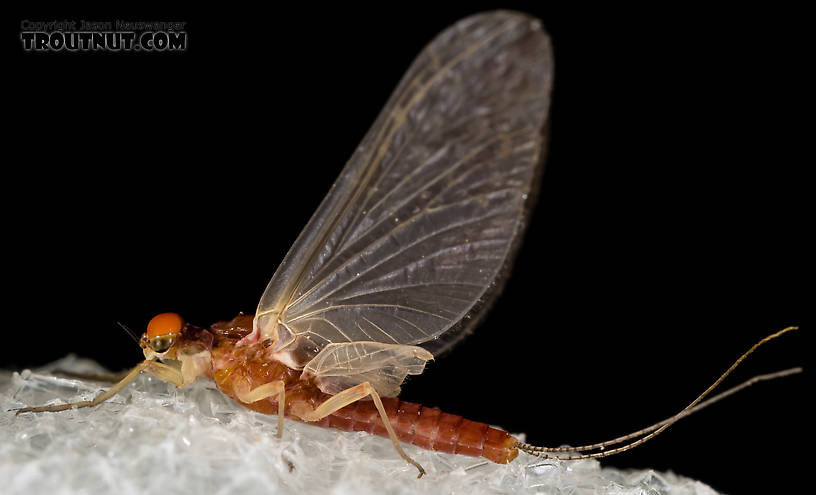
(129,331)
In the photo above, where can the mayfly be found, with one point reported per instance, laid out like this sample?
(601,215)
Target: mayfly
(400,260)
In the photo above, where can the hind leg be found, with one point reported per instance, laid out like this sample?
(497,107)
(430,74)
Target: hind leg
(349,396)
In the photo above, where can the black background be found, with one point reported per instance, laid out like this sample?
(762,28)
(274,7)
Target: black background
(669,234)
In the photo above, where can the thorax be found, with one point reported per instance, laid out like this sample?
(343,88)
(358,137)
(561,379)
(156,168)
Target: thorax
(251,366)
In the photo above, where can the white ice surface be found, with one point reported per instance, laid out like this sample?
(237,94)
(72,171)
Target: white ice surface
(154,438)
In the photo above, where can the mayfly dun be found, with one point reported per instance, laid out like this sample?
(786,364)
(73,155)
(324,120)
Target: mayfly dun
(401,258)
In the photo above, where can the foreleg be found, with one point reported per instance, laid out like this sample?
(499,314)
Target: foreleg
(159,370)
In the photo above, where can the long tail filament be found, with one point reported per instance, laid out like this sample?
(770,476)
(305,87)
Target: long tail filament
(650,432)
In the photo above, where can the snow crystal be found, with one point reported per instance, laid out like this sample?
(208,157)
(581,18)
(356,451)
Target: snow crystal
(155,438)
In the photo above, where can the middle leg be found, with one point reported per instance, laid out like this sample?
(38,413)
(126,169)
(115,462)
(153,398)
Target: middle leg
(270,389)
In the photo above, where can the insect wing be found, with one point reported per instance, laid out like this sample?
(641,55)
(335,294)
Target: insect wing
(424,217)
(384,366)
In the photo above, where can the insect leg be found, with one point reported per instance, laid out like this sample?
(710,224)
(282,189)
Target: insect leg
(276,387)
(96,400)
(354,394)
(155,368)
(165,372)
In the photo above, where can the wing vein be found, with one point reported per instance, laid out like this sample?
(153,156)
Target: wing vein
(402,225)
(316,312)
(380,329)
(407,246)
(408,286)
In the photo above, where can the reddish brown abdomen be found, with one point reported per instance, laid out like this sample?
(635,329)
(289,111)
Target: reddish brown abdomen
(428,428)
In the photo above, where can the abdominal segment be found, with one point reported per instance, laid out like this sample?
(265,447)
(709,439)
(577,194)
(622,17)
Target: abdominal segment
(428,428)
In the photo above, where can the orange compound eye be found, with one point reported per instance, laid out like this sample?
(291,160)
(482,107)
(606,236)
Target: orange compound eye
(164,324)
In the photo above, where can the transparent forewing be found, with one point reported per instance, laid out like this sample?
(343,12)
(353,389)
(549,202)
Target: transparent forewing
(421,220)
